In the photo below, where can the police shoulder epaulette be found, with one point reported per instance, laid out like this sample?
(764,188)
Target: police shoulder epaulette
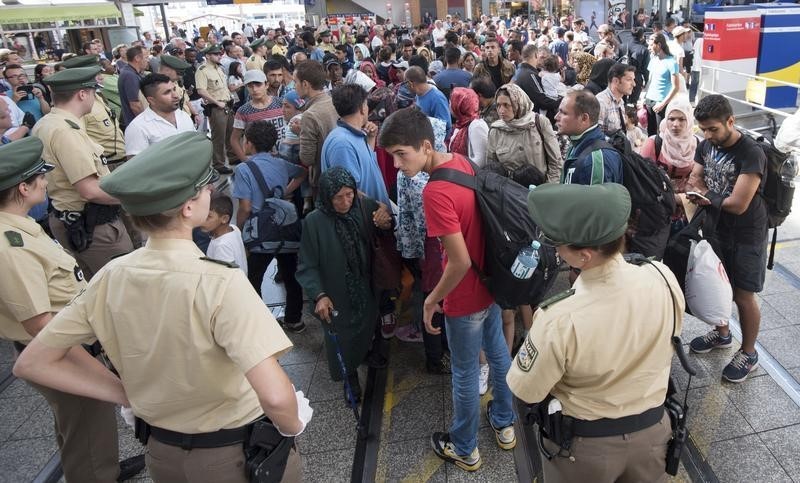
(72,124)
(15,238)
(220,262)
(557,298)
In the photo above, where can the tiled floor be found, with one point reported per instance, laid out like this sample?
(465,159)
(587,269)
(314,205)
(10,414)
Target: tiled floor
(748,431)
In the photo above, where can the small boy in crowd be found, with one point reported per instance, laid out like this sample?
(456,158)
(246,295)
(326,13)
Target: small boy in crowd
(226,239)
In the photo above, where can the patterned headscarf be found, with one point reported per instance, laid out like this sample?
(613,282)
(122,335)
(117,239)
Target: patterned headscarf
(348,230)
(523,107)
(464,104)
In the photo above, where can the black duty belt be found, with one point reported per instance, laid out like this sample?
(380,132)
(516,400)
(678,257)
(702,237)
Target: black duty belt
(614,427)
(217,439)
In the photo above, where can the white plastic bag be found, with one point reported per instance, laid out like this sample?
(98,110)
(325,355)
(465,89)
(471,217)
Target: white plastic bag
(709,295)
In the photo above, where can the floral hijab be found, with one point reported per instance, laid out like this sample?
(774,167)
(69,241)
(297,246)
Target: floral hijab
(465,107)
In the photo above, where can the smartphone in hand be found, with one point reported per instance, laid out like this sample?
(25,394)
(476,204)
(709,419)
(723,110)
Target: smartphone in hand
(695,194)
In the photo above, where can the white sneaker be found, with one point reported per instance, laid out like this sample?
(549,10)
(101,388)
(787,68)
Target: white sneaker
(483,381)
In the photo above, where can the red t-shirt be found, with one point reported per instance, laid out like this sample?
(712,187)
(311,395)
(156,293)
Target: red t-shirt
(450,209)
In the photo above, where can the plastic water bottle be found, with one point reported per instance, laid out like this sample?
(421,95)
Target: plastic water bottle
(526,262)
(789,171)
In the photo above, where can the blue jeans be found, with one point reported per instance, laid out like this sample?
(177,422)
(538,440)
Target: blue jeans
(465,336)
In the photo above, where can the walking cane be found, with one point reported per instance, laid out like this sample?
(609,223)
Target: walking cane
(351,398)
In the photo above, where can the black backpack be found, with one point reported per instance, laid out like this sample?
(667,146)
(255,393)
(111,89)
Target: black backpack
(652,197)
(507,229)
(777,194)
(275,228)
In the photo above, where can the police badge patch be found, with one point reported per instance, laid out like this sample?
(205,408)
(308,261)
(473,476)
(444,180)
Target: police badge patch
(527,355)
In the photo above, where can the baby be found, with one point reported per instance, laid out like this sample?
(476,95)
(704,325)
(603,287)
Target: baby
(289,147)
(636,135)
(551,79)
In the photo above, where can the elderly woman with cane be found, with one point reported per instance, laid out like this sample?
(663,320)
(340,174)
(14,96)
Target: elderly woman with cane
(335,269)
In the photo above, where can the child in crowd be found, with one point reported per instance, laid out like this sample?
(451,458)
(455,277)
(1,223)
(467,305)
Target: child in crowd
(551,80)
(226,239)
(636,135)
(289,148)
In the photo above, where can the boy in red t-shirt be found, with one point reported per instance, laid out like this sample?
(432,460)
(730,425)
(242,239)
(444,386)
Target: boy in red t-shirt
(472,318)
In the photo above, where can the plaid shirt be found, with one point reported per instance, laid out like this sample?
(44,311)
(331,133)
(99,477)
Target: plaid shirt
(612,112)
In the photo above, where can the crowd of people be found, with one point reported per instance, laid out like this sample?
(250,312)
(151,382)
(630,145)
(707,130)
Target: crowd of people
(108,153)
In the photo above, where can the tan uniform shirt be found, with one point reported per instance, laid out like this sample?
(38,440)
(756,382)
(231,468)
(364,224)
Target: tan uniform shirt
(75,156)
(255,62)
(605,351)
(37,277)
(103,129)
(181,331)
(212,79)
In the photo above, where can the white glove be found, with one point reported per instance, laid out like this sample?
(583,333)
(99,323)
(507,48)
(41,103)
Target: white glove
(304,412)
(127,416)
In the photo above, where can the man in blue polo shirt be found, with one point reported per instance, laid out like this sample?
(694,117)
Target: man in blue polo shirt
(351,144)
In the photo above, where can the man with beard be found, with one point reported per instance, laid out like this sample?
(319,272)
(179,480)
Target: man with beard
(729,172)
(161,120)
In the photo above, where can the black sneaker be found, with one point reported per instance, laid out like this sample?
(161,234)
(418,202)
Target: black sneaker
(440,367)
(376,360)
(128,468)
(740,366)
(712,340)
(294,327)
(445,450)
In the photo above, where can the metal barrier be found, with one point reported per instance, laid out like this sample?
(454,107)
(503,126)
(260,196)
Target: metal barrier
(709,72)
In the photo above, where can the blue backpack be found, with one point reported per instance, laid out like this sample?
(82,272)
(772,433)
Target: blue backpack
(275,228)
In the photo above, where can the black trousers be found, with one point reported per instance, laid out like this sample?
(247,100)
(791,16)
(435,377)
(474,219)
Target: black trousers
(257,264)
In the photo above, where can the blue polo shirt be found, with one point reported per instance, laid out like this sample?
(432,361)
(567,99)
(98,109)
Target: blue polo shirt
(434,104)
(347,147)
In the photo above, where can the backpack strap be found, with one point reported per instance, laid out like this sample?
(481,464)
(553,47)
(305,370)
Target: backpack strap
(659,143)
(598,164)
(262,183)
(467,181)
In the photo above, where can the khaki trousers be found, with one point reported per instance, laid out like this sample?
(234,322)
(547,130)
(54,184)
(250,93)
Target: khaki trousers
(86,432)
(109,240)
(171,464)
(634,457)
(221,126)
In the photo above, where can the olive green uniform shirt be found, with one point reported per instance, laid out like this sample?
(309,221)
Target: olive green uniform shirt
(38,275)
(68,147)
(213,80)
(181,331)
(605,351)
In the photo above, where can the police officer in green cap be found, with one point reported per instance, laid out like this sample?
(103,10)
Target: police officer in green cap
(259,57)
(39,279)
(174,68)
(601,349)
(85,219)
(195,349)
(101,123)
(211,84)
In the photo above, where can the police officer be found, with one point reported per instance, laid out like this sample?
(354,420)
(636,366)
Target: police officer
(194,346)
(101,123)
(602,349)
(259,57)
(174,68)
(85,219)
(39,279)
(211,83)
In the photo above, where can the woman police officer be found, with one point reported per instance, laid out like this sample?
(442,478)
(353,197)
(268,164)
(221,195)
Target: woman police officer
(195,347)
(39,279)
(602,348)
